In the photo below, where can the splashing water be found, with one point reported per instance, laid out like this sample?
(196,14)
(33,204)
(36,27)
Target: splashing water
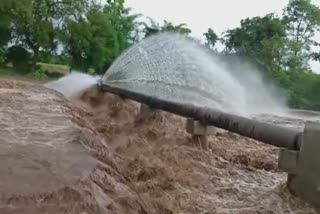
(173,67)
(73,83)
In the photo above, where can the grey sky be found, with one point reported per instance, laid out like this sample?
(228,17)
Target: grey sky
(199,15)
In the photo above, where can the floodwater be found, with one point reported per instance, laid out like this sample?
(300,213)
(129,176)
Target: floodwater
(96,153)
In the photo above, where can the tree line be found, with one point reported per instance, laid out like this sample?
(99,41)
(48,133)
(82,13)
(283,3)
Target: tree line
(89,35)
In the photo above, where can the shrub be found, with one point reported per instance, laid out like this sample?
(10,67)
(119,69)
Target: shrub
(39,75)
(19,57)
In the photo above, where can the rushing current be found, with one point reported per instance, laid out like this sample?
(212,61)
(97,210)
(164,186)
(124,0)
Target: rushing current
(174,67)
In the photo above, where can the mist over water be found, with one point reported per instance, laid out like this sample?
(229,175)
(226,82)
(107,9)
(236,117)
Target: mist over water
(174,67)
(261,95)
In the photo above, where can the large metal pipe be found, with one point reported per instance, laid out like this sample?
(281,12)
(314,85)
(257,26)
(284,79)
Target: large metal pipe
(260,131)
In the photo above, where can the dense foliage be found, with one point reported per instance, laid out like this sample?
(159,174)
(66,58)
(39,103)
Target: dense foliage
(88,35)
(283,46)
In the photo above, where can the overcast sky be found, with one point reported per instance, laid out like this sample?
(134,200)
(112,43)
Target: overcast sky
(199,15)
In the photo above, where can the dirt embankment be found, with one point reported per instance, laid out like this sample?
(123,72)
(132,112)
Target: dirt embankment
(97,154)
(237,175)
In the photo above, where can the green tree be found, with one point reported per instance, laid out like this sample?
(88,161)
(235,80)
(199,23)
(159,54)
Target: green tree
(96,38)
(283,48)
(5,34)
(123,22)
(261,38)
(104,45)
(31,25)
(91,41)
(4,23)
(211,38)
(170,27)
(316,56)
(19,57)
(34,22)
(155,27)
(152,28)
(302,21)
(305,91)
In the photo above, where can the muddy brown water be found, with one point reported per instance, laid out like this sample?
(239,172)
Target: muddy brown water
(97,154)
